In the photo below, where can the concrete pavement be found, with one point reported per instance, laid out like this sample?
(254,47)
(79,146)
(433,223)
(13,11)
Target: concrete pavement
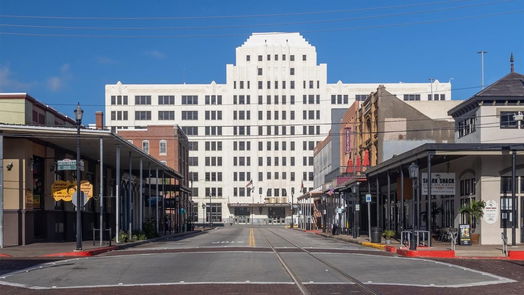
(229,256)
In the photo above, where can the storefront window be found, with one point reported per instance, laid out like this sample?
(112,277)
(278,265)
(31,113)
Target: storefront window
(38,182)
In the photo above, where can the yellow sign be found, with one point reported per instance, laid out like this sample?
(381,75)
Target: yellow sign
(64,190)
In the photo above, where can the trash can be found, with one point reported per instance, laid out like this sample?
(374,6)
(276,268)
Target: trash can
(376,235)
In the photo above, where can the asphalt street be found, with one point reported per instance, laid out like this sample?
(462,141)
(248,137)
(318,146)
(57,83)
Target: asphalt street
(242,259)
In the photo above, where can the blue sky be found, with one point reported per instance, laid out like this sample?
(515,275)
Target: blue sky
(62,52)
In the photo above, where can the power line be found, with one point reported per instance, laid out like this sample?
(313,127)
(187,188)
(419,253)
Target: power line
(309,123)
(272,136)
(147,28)
(356,28)
(228,16)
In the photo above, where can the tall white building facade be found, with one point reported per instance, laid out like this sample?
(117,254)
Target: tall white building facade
(261,125)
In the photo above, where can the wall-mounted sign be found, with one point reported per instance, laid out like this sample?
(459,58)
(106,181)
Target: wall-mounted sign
(442,184)
(368,198)
(64,190)
(491,212)
(348,140)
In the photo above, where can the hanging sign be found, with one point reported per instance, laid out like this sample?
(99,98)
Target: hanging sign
(442,184)
(68,164)
(64,190)
(491,212)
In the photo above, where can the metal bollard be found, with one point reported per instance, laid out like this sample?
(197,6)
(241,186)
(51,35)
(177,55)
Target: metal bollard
(504,244)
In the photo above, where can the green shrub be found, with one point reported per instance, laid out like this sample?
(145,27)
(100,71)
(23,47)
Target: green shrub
(123,237)
(150,229)
(388,234)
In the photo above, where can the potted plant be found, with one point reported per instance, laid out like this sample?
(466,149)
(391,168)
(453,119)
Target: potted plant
(388,234)
(474,211)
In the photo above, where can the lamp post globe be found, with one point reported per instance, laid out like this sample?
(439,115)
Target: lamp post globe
(78,116)
(413,174)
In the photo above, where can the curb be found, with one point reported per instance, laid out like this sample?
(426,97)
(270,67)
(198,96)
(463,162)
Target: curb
(512,254)
(426,253)
(85,253)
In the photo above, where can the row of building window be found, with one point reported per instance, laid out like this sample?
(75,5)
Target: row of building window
(268,57)
(246,99)
(276,115)
(276,161)
(260,71)
(166,99)
(162,146)
(241,176)
(437,96)
(214,192)
(119,100)
(241,161)
(276,176)
(508,120)
(466,126)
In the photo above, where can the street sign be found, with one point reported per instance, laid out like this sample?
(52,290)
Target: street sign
(357,207)
(368,198)
(74,200)
(69,165)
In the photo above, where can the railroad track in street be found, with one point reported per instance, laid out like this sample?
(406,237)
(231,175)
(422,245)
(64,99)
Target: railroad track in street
(364,288)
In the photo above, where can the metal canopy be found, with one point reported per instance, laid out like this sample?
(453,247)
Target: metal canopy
(446,152)
(65,139)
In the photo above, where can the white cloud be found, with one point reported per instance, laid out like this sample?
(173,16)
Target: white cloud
(156,54)
(58,82)
(7,83)
(55,83)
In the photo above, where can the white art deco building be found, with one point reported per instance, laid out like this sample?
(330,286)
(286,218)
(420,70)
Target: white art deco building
(261,125)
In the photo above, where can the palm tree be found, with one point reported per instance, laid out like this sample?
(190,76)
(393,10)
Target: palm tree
(474,211)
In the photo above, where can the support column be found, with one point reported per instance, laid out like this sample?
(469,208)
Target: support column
(402,225)
(369,210)
(157,195)
(101,227)
(149,210)
(1,190)
(514,204)
(429,200)
(130,198)
(141,198)
(163,201)
(117,200)
(388,205)
(378,202)
(419,197)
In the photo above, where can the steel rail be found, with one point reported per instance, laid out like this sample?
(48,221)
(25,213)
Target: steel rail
(298,283)
(358,283)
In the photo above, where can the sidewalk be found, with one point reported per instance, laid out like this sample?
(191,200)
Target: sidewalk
(66,249)
(438,249)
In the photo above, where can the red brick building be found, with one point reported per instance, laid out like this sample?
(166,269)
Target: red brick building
(169,145)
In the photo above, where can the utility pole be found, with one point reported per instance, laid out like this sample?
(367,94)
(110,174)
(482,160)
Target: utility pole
(482,53)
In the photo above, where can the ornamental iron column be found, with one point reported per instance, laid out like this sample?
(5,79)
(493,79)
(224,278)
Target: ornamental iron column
(79,200)
(413,174)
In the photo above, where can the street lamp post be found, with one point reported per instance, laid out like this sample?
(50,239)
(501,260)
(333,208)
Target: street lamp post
(205,214)
(78,114)
(210,214)
(292,209)
(413,174)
